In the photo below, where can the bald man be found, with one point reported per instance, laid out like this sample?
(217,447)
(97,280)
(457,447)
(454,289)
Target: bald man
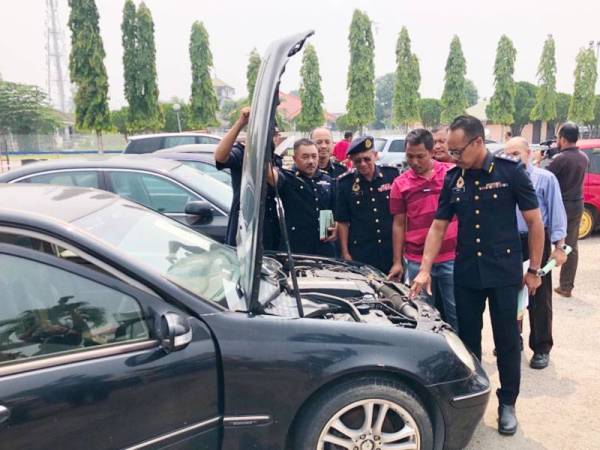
(554,218)
(324,140)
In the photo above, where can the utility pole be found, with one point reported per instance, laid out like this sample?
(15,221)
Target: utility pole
(56,59)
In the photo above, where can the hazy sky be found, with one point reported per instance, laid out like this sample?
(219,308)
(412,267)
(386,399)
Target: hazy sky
(235,27)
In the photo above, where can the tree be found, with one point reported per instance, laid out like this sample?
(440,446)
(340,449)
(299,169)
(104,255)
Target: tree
(86,67)
(471,93)
(252,73)
(545,105)
(408,79)
(562,106)
(130,68)
(454,100)
(384,93)
(581,109)
(361,72)
(502,104)
(342,123)
(311,114)
(203,101)
(171,125)
(431,111)
(596,122)
(525,94)
(120,121)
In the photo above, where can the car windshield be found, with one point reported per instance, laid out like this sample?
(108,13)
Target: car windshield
(379,144)
(183,256)
(206,185)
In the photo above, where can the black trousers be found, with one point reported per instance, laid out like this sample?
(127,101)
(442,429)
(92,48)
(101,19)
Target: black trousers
(569,269)
(540,305)
(470,304)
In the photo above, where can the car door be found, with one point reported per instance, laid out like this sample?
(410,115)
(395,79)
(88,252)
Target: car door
(82,365)
(165,196)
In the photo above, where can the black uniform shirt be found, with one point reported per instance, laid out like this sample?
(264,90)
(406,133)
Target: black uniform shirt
(335,169)
(303,198)
(488,253)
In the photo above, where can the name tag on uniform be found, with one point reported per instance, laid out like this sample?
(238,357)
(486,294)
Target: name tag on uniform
(323,183)
(384,187)
(495,185)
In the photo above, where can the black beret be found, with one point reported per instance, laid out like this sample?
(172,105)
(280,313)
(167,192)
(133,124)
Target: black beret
(361,144)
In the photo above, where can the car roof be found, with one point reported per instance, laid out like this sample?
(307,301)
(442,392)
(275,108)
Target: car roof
(391,136)
(190,148)
(187,133)
(201,157)
(584,144)
(62,203)
(138,162)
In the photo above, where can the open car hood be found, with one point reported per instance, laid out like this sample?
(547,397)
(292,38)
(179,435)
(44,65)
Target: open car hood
(257,156)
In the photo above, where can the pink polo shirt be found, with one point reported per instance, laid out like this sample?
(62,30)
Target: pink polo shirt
(417,197)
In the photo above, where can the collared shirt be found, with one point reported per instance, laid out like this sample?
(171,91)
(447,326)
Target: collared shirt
(553,212)
(335,169)
(488,252)
(569,166)
(417,197)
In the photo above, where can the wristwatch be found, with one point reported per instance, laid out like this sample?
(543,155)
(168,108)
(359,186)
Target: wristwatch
(562,247)
(533,271)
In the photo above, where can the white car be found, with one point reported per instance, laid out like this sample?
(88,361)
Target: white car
(149,143)
(391,149)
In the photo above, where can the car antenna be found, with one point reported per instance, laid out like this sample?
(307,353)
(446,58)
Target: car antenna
(286,240)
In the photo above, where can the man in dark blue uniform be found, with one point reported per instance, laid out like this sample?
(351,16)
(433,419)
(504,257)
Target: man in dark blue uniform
(324,140)
(362,207)
(305,192)
(229,154)
(483,192)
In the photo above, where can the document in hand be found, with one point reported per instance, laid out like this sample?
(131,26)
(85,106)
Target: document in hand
(325,222)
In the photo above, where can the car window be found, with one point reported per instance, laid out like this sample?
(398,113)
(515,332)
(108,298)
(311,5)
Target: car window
(172,141)
(144,145)
(152,191)
(594,156)
(207,140)
(379,144)
(397,146)
(46,310)
(83,179)
(224,176)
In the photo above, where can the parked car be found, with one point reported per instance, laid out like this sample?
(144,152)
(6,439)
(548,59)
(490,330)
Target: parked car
(590,220)
(204,162)
(391,149)
(208,149)
(113,310)
(149,143)
(166,186)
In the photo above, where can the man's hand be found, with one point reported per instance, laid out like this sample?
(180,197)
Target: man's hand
(346,256)
(244,116)
(331,235)
(422,280)
(532,282)
(559,256)
(396,271)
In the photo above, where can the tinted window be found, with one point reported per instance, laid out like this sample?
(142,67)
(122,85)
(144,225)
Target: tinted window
(594,156)
(397,146)
(379,144)
(151,191)
(221,175)
(45,310)
(84,179)
(172,141)
(144,145)
(206,140)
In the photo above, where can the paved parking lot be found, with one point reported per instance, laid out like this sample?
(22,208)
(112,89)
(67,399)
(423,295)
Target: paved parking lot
(559,407)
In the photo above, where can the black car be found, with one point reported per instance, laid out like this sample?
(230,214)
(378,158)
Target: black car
(164,185)
(122,328)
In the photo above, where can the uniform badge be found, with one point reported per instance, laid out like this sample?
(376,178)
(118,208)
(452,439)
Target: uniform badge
(460,183)
(356,186)
(368,144)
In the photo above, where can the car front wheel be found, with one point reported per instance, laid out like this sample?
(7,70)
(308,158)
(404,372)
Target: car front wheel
(365,414)
(588,223)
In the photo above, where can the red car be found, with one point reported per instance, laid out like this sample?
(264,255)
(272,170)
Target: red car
(591,188)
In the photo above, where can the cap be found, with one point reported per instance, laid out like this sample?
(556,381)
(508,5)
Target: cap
(361,144)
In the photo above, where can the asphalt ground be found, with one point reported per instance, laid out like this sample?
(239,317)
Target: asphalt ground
(559,407)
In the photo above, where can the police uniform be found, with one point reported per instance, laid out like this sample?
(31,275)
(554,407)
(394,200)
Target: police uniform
(488,261)
(335,169)
(303,198)
(364,206)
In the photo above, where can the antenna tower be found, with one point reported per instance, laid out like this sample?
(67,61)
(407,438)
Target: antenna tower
(59,86)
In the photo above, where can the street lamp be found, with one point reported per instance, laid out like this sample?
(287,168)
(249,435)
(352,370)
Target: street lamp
(177,108)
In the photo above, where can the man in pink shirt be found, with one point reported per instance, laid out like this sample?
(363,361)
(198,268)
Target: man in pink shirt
(341,148)
(413,203)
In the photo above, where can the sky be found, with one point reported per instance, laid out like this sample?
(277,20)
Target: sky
(235,27)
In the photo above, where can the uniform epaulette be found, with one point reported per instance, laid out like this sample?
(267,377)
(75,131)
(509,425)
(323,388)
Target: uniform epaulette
(507,157)
(323,171)
(344,175)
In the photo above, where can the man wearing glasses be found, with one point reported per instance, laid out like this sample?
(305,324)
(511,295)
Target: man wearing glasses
(362,207)
(483,192)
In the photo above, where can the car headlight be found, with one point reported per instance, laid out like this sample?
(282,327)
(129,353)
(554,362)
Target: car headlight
(460,350)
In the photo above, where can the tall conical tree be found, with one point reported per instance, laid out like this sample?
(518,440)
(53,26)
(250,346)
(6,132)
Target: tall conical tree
(86,67)
(203,102)
(583,101)
(502,104)
(361,72)
(252,73)
(545,104)
(312,114)
(454,99)
(147,114)
(408,80)
(130,69)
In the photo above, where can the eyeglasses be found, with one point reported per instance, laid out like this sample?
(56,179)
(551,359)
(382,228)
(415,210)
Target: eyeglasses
(456,152)
(366,159)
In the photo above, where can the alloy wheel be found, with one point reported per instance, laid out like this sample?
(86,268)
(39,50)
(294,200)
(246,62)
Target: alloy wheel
(586,225)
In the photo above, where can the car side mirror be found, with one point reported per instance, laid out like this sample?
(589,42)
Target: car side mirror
(175,332)
(201,209)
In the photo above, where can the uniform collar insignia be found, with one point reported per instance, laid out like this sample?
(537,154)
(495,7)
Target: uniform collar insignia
(488,162)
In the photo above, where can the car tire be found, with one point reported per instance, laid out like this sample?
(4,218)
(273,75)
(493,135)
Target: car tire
(588,222)
(345,407)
